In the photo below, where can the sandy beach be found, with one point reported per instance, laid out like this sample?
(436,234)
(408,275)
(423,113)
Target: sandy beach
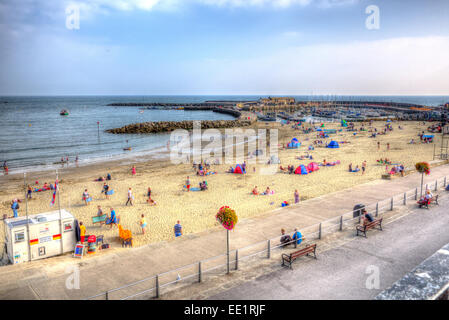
(196,210)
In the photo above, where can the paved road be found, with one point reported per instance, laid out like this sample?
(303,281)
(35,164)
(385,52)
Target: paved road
(341,273)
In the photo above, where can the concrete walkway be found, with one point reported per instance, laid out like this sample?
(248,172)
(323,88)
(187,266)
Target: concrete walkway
(343,273)
(46,279)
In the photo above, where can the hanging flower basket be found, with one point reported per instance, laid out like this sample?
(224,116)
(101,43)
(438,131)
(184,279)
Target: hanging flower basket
(423,167)
(227,217)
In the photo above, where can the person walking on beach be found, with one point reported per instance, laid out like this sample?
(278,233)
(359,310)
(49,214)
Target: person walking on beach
(105,190)
(178,229)
(296,196)
(130,197)
(133,171)
(188,184)
(378,145)
(86,197)
(388,146)
(29,191)
(363,167)
(143,223)
(15,207)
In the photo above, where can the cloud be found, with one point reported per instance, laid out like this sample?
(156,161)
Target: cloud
(392,66)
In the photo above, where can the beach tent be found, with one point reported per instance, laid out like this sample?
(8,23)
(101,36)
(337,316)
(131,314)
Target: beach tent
(313,166)
(238,169)
(333,144)
(301,170)
(427,136)
(274,159)
(294,144)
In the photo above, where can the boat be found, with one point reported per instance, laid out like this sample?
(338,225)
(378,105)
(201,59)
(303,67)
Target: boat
(127,149)
(64,112)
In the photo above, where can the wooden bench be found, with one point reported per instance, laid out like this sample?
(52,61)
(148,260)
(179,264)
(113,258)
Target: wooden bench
(99,219)
(368,226)
(426,203)
(289,258)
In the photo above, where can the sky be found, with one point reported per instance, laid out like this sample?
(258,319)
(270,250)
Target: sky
(224,47)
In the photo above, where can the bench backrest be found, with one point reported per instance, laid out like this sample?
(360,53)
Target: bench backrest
(302,251)
(373,224)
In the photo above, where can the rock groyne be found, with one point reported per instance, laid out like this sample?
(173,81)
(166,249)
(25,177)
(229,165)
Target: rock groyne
(168,126)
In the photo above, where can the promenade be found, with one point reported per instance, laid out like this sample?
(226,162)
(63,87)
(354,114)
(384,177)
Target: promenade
(46,279)
(343,272)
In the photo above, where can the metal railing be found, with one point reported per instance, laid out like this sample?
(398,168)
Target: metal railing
(218,264)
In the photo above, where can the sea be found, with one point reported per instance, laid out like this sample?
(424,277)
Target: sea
(34,136)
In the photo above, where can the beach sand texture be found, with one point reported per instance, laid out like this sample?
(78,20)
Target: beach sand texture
(196,210)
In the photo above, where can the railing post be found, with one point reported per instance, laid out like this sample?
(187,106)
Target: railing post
(341,223)
(157,286)
(416,193)
(436,184)
(377,209)
(405,198)
(391,204)
(319,233)
(236,259)
(107,295)
(268,249)
(199,271)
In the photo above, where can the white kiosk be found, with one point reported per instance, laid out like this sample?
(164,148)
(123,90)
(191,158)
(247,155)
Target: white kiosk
(44,239)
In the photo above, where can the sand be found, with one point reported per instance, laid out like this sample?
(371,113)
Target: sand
(196,210)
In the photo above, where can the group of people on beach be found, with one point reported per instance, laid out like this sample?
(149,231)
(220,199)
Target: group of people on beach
(357,169)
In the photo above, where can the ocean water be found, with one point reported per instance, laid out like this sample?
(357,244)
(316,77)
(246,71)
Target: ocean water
(34,136)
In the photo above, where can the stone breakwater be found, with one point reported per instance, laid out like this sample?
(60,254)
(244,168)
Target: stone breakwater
(168,126)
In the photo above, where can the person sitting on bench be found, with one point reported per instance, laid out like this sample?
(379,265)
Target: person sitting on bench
(297,236)
(285,238)
(366,217)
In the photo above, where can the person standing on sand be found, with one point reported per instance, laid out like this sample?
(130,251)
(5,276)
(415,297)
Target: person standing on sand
(388,146)
(178,229)
(143,223)
(378,145)
(130,197)
(188,184)
(363,167)
(133,171)
(82,231)
(29,191)
(86,197)
(296,196)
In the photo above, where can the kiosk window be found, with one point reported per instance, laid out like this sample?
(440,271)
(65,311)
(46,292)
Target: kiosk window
(68,226)
(19,236)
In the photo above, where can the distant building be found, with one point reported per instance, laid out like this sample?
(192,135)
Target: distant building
(277,101)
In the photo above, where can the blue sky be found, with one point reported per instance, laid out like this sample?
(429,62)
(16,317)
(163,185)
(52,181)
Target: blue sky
(224,47)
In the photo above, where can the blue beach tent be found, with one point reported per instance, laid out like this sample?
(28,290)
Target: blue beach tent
(333,144)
